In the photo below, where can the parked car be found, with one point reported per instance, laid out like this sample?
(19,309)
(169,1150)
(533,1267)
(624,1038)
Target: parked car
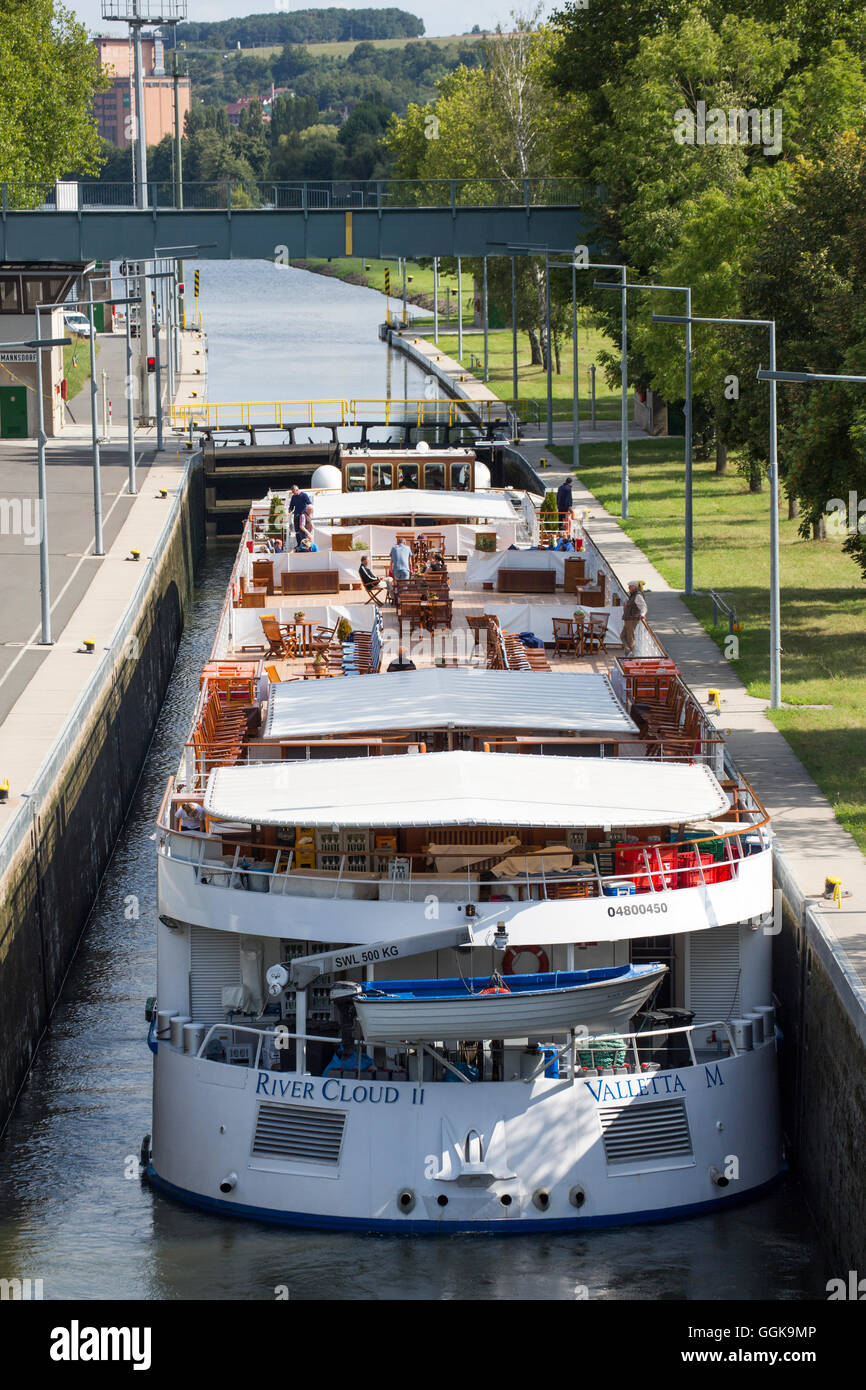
(77,323)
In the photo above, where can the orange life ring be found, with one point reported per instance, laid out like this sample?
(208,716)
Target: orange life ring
(514,951)
(495,989)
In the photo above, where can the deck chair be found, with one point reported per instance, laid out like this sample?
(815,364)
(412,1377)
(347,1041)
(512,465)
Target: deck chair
(596,632)
(376,593)
(276,641)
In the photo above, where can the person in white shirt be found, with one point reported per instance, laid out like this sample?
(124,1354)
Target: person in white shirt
(190,816)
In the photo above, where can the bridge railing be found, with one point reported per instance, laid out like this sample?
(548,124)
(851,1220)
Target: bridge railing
(243,414)
(294,196)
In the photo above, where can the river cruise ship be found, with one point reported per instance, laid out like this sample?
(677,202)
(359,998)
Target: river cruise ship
(465,914)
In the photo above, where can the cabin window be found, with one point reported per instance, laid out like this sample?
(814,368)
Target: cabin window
(10,294)
(37,292)
(383,476)
(408,475)
(356,477)
(434,476)
(460,477)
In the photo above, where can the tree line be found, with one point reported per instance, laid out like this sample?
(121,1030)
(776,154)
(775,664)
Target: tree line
(302,26)
(399,74)
(721,144)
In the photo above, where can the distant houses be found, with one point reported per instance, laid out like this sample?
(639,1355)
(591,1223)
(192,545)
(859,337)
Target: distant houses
(234,108)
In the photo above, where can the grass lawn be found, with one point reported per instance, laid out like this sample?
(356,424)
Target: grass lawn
(76,365)
(823,609)
(532,381)
(419,280)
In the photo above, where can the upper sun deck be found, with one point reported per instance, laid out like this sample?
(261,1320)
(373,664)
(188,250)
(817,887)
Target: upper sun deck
(282,689)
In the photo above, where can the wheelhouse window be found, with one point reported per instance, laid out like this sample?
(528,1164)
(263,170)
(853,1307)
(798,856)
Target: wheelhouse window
(407,475)
(461,477)
(356,477)
(434,476)
(383,476)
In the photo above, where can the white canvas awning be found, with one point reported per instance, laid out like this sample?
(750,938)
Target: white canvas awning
(438,789)
(434,698)
(408,501)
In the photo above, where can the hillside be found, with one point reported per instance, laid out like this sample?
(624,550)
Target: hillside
(302,26)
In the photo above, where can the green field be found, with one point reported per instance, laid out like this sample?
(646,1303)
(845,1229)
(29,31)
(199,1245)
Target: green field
(823,609)
(342,48)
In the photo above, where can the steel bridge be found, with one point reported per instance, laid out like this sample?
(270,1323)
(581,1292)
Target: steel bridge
(71,221)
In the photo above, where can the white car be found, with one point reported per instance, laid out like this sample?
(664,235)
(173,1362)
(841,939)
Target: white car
(77,323)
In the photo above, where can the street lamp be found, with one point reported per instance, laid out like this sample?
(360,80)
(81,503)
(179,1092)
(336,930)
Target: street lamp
(94,424)
(575,264)
(157,275)
(686,290)
(775,598)
(39,343)
(177,253)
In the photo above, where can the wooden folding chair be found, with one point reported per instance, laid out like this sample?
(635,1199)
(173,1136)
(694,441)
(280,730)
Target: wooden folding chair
(595,634)
(277,645)
(564,637)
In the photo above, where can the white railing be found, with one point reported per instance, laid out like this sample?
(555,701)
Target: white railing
(655,875)
(568,1054)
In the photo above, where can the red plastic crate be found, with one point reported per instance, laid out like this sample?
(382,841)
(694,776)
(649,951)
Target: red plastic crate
(630,862)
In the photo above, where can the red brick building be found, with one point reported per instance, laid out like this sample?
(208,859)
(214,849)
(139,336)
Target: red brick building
(115,108)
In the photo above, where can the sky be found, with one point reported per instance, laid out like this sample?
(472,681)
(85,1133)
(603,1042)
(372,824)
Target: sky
(439,16)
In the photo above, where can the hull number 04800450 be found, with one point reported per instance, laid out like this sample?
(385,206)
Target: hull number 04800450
(638,910)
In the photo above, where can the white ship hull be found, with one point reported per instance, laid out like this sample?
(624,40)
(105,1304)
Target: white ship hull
(509,1156)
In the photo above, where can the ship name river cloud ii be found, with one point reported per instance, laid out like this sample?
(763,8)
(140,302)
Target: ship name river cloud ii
(464,911)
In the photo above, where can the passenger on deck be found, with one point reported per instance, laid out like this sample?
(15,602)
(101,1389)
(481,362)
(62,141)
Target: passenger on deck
(306,546)
(634,609)
(374,586)
(190,815)
(564,501)
(436,563)
(401,560)
(298,505)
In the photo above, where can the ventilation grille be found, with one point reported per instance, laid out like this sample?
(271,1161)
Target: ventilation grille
(302,1133)
(214,961)
(714,974)
(636,1133)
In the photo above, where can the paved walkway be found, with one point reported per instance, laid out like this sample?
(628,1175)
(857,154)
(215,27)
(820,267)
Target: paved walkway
(40,685)
(813,842)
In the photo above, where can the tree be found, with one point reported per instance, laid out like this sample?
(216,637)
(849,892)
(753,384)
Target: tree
(809,272)
(495,122)
(49,72)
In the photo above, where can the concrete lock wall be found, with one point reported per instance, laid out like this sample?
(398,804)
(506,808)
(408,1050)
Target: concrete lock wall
(52,881)
(823,1076)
